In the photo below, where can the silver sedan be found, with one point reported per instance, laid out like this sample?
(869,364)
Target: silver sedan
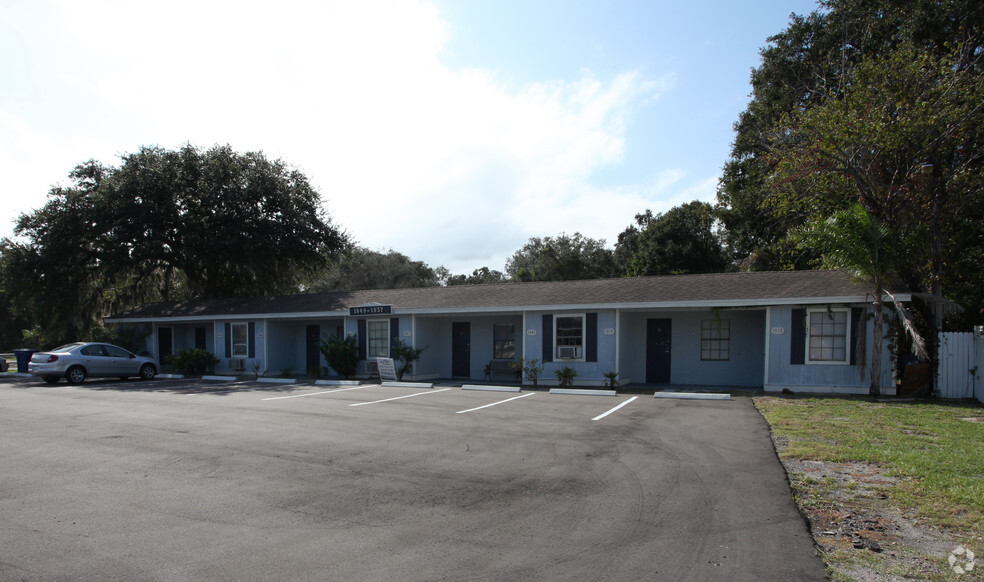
(80,360)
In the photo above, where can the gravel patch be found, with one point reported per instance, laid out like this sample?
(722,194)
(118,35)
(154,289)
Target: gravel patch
(861,535)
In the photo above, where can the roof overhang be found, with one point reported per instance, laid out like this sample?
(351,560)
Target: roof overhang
(514,309)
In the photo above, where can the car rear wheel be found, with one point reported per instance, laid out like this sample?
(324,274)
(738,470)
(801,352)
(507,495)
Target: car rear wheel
(51,379)
(75,375)
(147,372)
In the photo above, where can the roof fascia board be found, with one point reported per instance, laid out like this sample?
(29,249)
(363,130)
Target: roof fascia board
(641,305)
(651,305)
(230,316)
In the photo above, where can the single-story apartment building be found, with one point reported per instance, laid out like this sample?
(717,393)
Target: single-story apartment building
(806,331)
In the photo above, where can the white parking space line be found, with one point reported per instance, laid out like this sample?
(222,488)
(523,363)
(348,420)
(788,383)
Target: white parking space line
(495,403)
(603,415)
(220,389)
(399,397)
(315,393)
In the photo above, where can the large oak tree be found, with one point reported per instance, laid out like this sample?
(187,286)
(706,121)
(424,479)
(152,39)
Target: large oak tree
(561,258)
(165,225)
(681,240)
(873,102)
(903,138)
(362,268)
(802,66)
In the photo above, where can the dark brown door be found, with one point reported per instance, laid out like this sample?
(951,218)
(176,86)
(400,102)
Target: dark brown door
(658,333)
(200,337)
(165,344)
(313,359)
(461,349)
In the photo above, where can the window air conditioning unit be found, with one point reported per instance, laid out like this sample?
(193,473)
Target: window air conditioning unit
(238,364)
(567,352)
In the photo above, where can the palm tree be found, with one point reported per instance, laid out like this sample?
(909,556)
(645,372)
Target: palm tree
(853,241)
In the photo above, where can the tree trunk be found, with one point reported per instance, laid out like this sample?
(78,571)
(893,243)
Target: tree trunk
(876,345)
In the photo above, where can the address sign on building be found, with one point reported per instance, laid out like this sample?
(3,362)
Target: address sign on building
(370,310)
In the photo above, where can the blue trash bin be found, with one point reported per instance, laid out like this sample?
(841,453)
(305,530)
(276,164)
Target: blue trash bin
(23,356)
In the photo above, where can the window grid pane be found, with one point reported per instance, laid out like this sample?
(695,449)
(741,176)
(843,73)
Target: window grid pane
(504,341)
(569,331)
(569,337)
(828,336)
(715,340)
(378,332)
(240,340)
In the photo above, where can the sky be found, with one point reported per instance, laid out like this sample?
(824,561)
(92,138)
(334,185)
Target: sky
(451,131)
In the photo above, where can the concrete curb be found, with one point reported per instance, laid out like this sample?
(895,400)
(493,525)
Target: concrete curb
(491,388)
(277,380)
(171,376)
(336,383)
(221,378)
(583,392)
(692,396)
(409,384)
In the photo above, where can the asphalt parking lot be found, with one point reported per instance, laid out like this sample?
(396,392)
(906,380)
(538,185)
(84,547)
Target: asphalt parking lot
(191,480)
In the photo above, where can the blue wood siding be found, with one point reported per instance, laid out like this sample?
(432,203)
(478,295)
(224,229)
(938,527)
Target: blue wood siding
(435,333)
(745,365)
(288,342)
(604,349)
(754,332)
(257,338)
(183,337)
(783,343)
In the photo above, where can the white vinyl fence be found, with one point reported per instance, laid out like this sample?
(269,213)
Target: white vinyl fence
(961,365)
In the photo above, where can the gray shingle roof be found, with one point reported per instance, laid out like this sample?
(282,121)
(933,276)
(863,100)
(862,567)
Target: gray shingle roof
(717,289)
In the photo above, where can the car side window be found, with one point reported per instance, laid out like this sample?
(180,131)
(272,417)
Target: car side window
(93,351)
(115,352)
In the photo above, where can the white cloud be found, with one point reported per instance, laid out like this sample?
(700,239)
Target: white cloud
(450,167)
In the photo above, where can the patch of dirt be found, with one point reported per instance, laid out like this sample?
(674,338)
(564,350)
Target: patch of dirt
(849,514)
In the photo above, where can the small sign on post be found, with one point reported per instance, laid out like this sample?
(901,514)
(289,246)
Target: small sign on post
(387,370)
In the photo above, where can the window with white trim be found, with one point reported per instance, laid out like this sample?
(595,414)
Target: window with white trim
(715,339)
(240,340)
(503,341)
(378,332)
(827,336)
(569,337)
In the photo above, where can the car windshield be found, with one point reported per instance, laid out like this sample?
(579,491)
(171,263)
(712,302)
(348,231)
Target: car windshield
(65,347)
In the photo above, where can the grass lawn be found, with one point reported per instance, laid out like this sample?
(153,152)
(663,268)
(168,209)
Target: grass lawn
(877,475)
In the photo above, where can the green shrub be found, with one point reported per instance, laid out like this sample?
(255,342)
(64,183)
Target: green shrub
(36,339)
(565,376)
(341,354)
(532,368)
(193,361)
(406,355)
